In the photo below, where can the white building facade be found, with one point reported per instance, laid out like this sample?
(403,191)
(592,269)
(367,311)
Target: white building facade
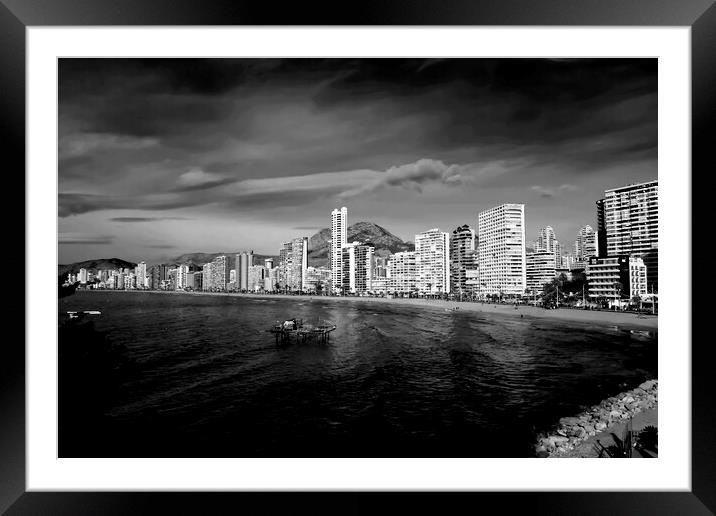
(432,260)
(339,238)
(501,250)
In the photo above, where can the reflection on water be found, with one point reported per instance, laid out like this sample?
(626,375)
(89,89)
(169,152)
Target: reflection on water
(208,380)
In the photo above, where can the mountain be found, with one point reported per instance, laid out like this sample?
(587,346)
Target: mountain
(384,241)
(319,246)
(101,263)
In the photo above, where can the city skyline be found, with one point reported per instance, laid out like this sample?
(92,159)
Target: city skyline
(223,155)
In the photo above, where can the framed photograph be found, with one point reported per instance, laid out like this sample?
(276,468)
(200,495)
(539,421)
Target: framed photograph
(413,251)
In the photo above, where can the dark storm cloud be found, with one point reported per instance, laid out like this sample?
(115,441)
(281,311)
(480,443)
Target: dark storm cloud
(75,204)
(85,239)
(144,219)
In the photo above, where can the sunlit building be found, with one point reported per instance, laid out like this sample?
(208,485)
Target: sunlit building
(357,262)
(501,250)
(432,259)
(402,273)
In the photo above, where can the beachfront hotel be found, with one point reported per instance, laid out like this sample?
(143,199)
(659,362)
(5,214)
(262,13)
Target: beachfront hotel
(402,273)
(293,262)
(541,269)
(628,218)
(339,238)
(463,261)
(501,250)
(219,274)
(432,260)
(357,272)
(244,262)
(616,277)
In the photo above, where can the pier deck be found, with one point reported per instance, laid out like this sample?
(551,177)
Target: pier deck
(296,329)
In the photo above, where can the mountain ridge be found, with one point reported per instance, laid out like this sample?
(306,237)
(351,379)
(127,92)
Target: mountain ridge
(384,241)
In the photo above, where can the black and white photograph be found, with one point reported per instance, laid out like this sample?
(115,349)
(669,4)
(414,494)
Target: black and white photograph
(358,257)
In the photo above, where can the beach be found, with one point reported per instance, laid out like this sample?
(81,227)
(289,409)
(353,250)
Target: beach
(623,319)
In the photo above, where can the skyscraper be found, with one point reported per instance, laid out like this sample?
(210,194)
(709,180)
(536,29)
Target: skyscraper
(501,250)
(220,273)
(357,261)
(298,264)
(339,238)
(585,246)
(181,277)
(206,277)
(432,259)
(463,258)
(293,262)
(546,240)
(243,263)
(141,272)
(631,225)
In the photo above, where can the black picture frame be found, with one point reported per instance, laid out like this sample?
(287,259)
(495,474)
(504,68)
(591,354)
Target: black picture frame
(700,15)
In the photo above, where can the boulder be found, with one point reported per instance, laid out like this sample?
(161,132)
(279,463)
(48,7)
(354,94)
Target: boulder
(568,421)
(546,443)
(648,385)
(601,425)
(557,439)
(615,414)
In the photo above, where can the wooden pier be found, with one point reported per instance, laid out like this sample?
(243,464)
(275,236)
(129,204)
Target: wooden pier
(302,332)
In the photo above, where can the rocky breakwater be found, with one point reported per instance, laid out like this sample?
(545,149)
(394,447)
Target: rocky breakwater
(571,431)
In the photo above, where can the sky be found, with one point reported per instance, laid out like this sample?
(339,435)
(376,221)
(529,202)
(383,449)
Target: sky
(160,157)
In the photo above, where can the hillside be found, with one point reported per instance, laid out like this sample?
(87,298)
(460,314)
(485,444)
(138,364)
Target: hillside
(384,241)
(97,264)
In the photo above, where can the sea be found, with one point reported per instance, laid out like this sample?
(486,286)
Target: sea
(200,376)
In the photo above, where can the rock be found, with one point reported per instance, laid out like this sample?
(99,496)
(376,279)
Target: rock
(557,439)
(562,431)
(615,414)
(627,400)
(546,443)
(647,385)
(542,454)
(601,425)
(589,429)
(568,421)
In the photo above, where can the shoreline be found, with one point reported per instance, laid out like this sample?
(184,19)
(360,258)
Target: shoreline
(626,320)
(585,434)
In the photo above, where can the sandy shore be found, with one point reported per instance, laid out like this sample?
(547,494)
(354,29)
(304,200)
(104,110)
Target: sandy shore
(625,320)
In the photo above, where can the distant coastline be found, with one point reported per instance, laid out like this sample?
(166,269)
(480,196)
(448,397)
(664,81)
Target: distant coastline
(629,320)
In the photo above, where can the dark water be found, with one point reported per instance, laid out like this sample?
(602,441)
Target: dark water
(205,379)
